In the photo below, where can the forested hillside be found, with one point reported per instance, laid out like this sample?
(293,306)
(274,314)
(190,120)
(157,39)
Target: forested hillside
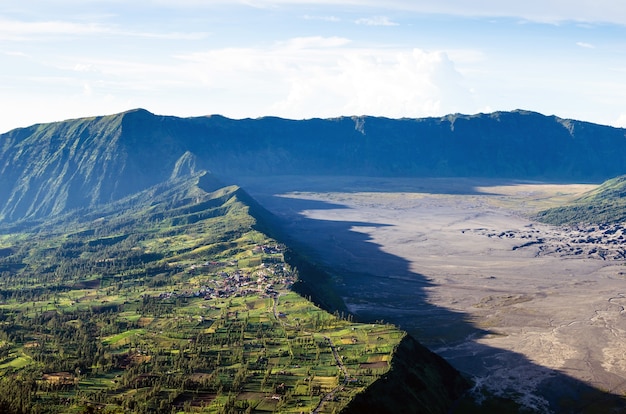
(604,205)
(174,300)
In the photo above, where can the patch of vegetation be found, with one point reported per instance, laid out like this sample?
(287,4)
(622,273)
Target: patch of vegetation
(159,309)
(603,205)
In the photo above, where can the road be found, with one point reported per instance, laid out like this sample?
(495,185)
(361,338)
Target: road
(346,377)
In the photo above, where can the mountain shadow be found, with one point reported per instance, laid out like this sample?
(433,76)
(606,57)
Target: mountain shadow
(390,291)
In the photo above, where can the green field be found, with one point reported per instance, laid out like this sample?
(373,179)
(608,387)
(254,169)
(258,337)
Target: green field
(185,309)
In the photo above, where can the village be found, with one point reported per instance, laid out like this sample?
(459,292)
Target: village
(225,279)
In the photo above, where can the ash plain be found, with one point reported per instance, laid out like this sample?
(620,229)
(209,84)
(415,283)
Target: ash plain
(530,311)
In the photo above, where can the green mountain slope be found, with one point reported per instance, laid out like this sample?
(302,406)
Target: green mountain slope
(603,205)
(113,235)
(172,300)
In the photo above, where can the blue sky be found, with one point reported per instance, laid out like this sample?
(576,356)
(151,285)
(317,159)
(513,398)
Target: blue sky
(298,59)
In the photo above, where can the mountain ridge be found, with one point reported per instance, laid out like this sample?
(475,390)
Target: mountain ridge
(129,160)
(49,169)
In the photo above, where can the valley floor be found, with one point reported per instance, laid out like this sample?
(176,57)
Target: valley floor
(530,311)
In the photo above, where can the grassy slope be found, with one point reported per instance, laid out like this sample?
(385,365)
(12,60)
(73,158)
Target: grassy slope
(131,306)
(604,205)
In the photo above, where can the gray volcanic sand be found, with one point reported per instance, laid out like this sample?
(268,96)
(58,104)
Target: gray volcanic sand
(458,264)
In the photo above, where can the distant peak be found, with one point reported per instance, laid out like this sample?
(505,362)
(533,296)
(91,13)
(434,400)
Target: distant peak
(525,112)
(135,116)
(137,111)
(185,166)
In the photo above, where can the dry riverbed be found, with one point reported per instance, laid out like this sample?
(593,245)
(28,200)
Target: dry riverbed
(530,311)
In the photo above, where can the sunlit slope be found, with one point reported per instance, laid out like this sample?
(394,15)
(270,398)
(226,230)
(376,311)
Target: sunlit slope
(603,205)
(175,299)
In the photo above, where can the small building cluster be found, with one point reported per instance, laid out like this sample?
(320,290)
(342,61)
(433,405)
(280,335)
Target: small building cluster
(224,284)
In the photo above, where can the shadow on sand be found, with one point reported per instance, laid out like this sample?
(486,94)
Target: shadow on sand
(377,285)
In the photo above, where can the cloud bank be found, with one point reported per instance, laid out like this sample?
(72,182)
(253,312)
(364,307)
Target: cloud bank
(308,77)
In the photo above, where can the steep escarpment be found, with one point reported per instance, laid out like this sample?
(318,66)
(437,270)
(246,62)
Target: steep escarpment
(418,382)
(49,169)
(517,144)
(53,168)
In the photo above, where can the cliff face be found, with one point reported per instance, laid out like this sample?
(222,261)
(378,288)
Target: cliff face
(53,168)
(418,382)
(49,169)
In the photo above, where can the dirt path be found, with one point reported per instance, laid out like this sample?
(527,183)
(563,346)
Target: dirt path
(330,395)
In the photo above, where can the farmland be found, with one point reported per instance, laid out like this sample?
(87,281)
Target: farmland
(170,313)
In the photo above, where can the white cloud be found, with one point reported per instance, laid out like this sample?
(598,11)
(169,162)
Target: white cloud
(164,36)
(314,42)
(15,30)
(611,11)
(376,21)
(585,45)
(87,89)
(322,82)
(81,67)
(20,30)
(111,60)
(331,19)
(16,54)
(535,10)
(310,77)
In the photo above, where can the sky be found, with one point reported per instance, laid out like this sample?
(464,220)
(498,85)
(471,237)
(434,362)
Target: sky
(298,59)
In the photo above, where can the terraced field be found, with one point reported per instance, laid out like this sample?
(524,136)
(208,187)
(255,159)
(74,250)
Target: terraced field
(162,314)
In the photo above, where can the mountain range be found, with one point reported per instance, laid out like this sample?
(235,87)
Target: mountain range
(50,169)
